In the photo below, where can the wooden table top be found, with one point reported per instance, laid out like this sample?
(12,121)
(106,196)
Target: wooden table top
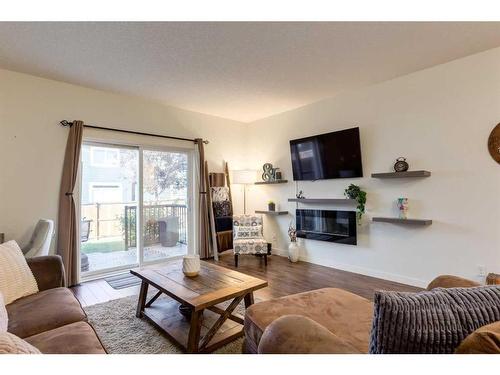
(214,284)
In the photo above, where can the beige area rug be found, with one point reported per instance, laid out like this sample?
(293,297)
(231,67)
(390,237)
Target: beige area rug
(122,333)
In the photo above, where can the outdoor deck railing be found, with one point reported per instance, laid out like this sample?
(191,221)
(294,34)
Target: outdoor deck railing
(119,220)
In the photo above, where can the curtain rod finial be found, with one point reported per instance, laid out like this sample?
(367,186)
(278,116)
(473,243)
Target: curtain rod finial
(65,123)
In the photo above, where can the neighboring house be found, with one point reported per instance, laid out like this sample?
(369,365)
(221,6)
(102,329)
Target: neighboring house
(104,179)
(107,179)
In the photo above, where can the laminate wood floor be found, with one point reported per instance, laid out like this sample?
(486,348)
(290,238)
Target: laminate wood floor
(284,278)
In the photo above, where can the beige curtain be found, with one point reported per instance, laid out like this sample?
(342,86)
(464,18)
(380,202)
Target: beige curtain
(204,223)
(67,235)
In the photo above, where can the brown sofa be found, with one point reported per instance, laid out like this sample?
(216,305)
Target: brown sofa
(320,321)
(52,320)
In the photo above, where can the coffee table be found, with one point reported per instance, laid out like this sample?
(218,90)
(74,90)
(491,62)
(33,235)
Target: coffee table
(206,326)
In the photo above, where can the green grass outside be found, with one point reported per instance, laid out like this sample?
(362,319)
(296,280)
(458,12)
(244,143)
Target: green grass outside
(102,246)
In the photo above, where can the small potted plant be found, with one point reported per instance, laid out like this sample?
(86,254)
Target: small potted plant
(293,248)
(271,206)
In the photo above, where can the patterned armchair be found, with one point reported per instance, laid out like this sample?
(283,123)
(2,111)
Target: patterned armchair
(248,237)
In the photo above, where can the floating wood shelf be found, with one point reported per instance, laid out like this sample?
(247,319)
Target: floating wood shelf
(321,200)
(271,182)
(396,220)
(272,213)
(402,174)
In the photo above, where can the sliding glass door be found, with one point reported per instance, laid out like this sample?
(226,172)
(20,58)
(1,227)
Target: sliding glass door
(165,204)
(135,206)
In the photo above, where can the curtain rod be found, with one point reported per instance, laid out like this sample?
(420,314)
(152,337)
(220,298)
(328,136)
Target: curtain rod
(69,124)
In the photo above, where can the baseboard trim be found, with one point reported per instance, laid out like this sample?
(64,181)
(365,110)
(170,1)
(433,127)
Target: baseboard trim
(356,269)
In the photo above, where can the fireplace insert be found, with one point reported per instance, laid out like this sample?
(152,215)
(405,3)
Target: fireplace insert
(327,225)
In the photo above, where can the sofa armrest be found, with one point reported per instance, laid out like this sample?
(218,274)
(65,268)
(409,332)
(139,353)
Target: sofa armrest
(48,271)
(450,281)
(296,334)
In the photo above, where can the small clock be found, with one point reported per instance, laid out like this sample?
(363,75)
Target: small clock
(401,165)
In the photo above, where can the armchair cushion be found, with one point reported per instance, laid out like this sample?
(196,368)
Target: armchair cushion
(48,271)
(296,334)
(251,246)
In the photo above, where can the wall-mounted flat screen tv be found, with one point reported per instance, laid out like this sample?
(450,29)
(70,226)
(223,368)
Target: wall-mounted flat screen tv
(326,156)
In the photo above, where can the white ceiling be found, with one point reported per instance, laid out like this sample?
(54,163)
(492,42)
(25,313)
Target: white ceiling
(241,71)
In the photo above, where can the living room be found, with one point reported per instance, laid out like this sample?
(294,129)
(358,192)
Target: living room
(250,188)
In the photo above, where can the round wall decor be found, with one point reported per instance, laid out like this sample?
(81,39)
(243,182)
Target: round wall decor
(494,143)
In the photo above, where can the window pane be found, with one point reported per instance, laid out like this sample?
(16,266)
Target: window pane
(165,200)
(108,207)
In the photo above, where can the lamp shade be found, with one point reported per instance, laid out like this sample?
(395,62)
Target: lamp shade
(244,176)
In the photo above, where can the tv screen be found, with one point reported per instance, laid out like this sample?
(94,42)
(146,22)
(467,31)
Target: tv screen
(325,156)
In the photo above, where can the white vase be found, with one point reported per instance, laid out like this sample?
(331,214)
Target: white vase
(191,265)
(293,252)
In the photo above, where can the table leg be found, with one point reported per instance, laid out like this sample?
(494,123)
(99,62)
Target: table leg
(249,300)
(194,332)
(142,299)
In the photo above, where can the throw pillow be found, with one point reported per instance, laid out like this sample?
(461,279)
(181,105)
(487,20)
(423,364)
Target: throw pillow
(484,340)
(4,318)
(16,278)
(435,321)
(246,233)
(11,344)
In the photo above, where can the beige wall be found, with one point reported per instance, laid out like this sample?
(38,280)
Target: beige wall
(440,119)
(32,143)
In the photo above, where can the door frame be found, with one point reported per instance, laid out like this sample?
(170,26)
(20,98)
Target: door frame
(191,232)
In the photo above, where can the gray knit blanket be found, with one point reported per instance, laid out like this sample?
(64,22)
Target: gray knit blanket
(433,321)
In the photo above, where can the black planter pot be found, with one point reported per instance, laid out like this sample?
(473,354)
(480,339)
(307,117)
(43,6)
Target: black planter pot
(271,206)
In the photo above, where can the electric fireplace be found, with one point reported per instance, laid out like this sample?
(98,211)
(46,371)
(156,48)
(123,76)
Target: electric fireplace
(327,225)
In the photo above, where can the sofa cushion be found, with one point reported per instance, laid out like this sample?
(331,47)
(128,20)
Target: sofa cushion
(75,338)
(11,344)
(484,340)
(43,311)
(16,278)
(346,315)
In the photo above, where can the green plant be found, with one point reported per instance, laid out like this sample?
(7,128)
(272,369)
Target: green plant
(355,192)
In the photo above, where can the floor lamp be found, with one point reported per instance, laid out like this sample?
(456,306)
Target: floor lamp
(244,177)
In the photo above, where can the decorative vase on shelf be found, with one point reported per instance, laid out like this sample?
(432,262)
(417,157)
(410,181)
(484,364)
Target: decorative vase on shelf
(293,252)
